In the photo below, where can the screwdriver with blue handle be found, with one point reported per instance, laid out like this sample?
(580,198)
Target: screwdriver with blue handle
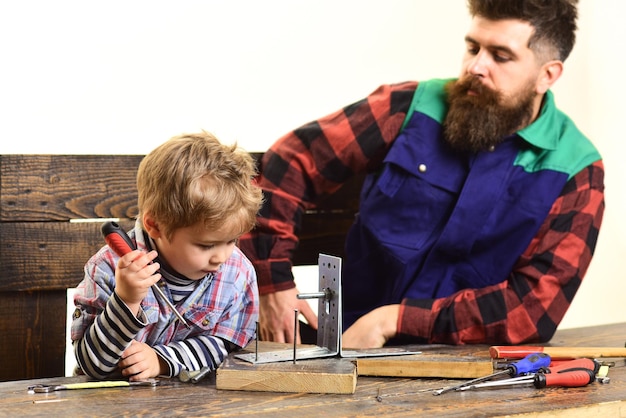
(532,363)
(573,373)
(121,243)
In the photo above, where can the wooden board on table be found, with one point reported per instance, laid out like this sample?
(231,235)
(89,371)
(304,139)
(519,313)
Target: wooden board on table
(462,362)
(329,375)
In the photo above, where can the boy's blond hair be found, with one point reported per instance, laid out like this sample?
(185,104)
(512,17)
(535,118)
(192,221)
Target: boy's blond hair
(194,178)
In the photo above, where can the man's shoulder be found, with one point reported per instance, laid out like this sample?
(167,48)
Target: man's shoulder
(430,99)
(557,142)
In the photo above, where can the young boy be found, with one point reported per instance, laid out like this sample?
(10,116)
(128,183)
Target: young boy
(196,197)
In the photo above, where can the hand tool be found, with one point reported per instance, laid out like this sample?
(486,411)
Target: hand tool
(555,367)
(601,376)
(121,243)
(193,376)
(605,380)
(560,367)
(563,353)
(295,334)
(91,385)
(529,364)
(568,378)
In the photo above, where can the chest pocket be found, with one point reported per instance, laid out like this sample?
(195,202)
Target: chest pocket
(203,318)
(409,201)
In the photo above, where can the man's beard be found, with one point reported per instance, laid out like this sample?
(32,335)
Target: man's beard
(478,122)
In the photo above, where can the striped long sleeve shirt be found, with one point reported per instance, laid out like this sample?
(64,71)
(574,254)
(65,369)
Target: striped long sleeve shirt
(222,310)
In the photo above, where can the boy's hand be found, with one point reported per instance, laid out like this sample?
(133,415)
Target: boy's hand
(134,275)
(140,361)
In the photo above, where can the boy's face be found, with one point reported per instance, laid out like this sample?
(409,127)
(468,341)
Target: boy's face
(195,251)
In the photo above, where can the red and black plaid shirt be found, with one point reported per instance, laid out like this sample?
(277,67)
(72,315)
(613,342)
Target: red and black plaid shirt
(313,161)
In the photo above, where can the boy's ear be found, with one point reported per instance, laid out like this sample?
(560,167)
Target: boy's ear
(151,226)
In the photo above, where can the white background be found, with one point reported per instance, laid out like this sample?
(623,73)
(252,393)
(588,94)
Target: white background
(120,77)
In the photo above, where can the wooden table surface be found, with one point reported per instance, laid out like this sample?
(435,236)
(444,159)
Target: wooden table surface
(374,396)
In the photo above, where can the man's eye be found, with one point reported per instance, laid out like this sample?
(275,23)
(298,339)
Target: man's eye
(501,58)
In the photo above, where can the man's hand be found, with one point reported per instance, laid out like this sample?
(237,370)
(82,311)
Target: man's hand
(133,277)
(373,329)
(140,361)
(276,315)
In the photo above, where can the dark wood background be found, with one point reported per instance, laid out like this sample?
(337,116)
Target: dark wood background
(43,251)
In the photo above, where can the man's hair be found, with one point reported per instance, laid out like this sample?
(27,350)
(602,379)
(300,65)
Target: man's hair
(554,22)
(194,178)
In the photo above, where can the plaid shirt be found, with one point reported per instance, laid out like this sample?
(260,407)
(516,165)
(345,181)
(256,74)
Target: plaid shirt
(222,307)
(315,160)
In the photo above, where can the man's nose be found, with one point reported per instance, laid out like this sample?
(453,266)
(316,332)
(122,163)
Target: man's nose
(478,65)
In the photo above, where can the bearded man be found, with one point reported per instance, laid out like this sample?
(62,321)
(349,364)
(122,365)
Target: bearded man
(482,204)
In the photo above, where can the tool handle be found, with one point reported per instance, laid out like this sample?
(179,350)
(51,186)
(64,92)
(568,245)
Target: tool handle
(120,242)
(573,378)
(98,384)
(581,363)
(530,364)
(563,353)
(504,351)
(117,239)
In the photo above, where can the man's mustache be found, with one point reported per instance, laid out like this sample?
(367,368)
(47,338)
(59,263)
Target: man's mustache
(474,84)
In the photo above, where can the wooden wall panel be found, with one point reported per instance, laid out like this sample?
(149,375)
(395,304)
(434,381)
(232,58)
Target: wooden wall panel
(32,341)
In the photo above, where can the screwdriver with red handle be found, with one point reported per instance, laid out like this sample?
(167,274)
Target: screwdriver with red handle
(574,373)
(121,243)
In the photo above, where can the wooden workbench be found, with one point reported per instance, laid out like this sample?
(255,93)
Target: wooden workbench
(374,396)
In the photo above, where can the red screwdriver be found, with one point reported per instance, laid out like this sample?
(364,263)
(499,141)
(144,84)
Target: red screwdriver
(570,378)
(562,366)
(121,243)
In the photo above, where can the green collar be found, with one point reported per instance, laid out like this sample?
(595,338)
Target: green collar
(543,132)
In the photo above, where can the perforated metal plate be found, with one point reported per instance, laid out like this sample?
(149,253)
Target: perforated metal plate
(328,317)
(328,325)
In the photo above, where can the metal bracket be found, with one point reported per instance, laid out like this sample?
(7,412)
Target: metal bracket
(328,323)
(328,318)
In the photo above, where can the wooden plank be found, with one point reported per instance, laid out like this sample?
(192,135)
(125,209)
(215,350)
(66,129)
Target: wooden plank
(455,362)
(306,376)
(426,365)
(557,353)
(438,360)
(32,341)
(47,255)
(64,187)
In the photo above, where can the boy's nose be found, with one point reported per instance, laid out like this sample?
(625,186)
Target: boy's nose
(219,257)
